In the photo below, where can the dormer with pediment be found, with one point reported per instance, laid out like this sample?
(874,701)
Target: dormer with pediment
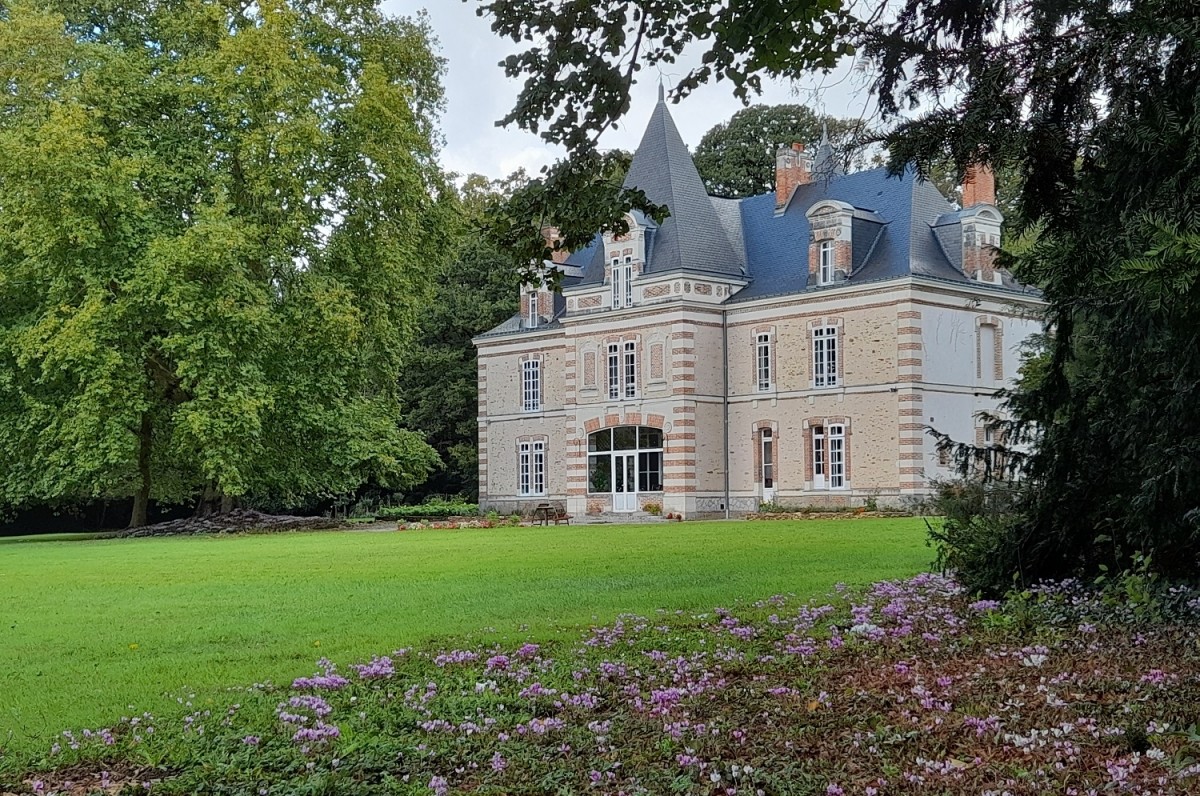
(625,260)
(831,250)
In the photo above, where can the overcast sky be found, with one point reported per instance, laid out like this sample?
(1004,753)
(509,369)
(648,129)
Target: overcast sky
(478,94)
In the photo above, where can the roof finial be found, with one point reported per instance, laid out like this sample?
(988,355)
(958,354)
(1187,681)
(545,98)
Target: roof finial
(662,95)
(824,132)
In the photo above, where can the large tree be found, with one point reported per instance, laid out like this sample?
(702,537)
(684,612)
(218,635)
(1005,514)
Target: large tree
(439,386)
(736,158)
(1094,104)
(217,227)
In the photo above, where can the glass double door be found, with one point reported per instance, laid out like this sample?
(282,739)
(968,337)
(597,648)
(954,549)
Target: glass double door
(625,482)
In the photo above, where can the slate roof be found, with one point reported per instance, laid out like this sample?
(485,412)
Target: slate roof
(892,234)
(901,226)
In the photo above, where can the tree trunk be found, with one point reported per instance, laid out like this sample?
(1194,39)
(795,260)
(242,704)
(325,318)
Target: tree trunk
(141,499)
(206,505)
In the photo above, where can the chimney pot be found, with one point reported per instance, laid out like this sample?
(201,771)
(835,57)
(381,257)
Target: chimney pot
(791,169)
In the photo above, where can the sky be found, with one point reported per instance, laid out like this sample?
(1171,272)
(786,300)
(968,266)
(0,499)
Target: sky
(478,93)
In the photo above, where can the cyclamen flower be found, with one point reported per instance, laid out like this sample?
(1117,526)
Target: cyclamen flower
(377,669)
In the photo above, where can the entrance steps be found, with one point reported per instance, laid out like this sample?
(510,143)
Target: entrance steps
(620,518)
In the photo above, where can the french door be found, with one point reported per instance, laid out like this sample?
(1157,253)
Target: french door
(625,482)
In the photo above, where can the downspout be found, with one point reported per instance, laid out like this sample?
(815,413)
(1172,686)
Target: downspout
(725,399)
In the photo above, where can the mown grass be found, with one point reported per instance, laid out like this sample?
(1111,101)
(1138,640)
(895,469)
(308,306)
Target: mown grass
(91,628)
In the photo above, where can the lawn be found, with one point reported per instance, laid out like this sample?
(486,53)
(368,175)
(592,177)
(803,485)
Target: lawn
(91,628)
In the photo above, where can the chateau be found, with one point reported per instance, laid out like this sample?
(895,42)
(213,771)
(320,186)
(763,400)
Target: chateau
(791,347)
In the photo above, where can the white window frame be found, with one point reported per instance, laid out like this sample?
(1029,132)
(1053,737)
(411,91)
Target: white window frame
(825,262)
(531,468)
(614,371)
(762,361)
(836,436)
(622,283)
(539,468)
(531,311)
(531,385)
(629,369)
(825,356)
(524,469)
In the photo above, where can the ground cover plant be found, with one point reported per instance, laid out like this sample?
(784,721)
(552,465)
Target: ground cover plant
(89,628)
(908,687)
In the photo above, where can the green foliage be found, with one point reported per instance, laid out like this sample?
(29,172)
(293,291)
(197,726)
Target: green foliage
(1110,408)
(433,510)
(216,230)
(582,58)
(474,291)
(977,532)
(577,196)
(737,158)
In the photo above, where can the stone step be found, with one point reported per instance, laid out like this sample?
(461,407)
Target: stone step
(621,518)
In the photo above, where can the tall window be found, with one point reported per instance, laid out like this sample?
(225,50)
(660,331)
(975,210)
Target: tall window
(837,456)
(768,459)
(531,385)
(762,356)
(531,465)
(531,310)
(622,370)
(525,467)
(630,369)
(825,356)
(987,353)
(825,277)
(614,371)
(622,283)
(539,468)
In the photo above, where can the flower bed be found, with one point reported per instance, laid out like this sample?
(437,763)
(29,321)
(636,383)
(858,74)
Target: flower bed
(907,688)
(447,524)
(821,514)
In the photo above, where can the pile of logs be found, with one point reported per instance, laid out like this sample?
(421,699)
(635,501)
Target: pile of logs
(236,521)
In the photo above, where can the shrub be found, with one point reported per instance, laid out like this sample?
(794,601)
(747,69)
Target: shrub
(652,508)
(978,534)
(428,511)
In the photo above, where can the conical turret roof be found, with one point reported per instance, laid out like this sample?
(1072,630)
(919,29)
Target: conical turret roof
(692,238)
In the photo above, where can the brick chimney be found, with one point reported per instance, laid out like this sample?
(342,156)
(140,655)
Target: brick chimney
(979,186)
(792,168)
(551,236)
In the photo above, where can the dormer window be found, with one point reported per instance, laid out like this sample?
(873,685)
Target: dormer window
(825,272)
(829,260)
(622,283)
(531,310)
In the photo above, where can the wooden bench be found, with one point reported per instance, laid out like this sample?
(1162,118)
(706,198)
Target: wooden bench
(545,512)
